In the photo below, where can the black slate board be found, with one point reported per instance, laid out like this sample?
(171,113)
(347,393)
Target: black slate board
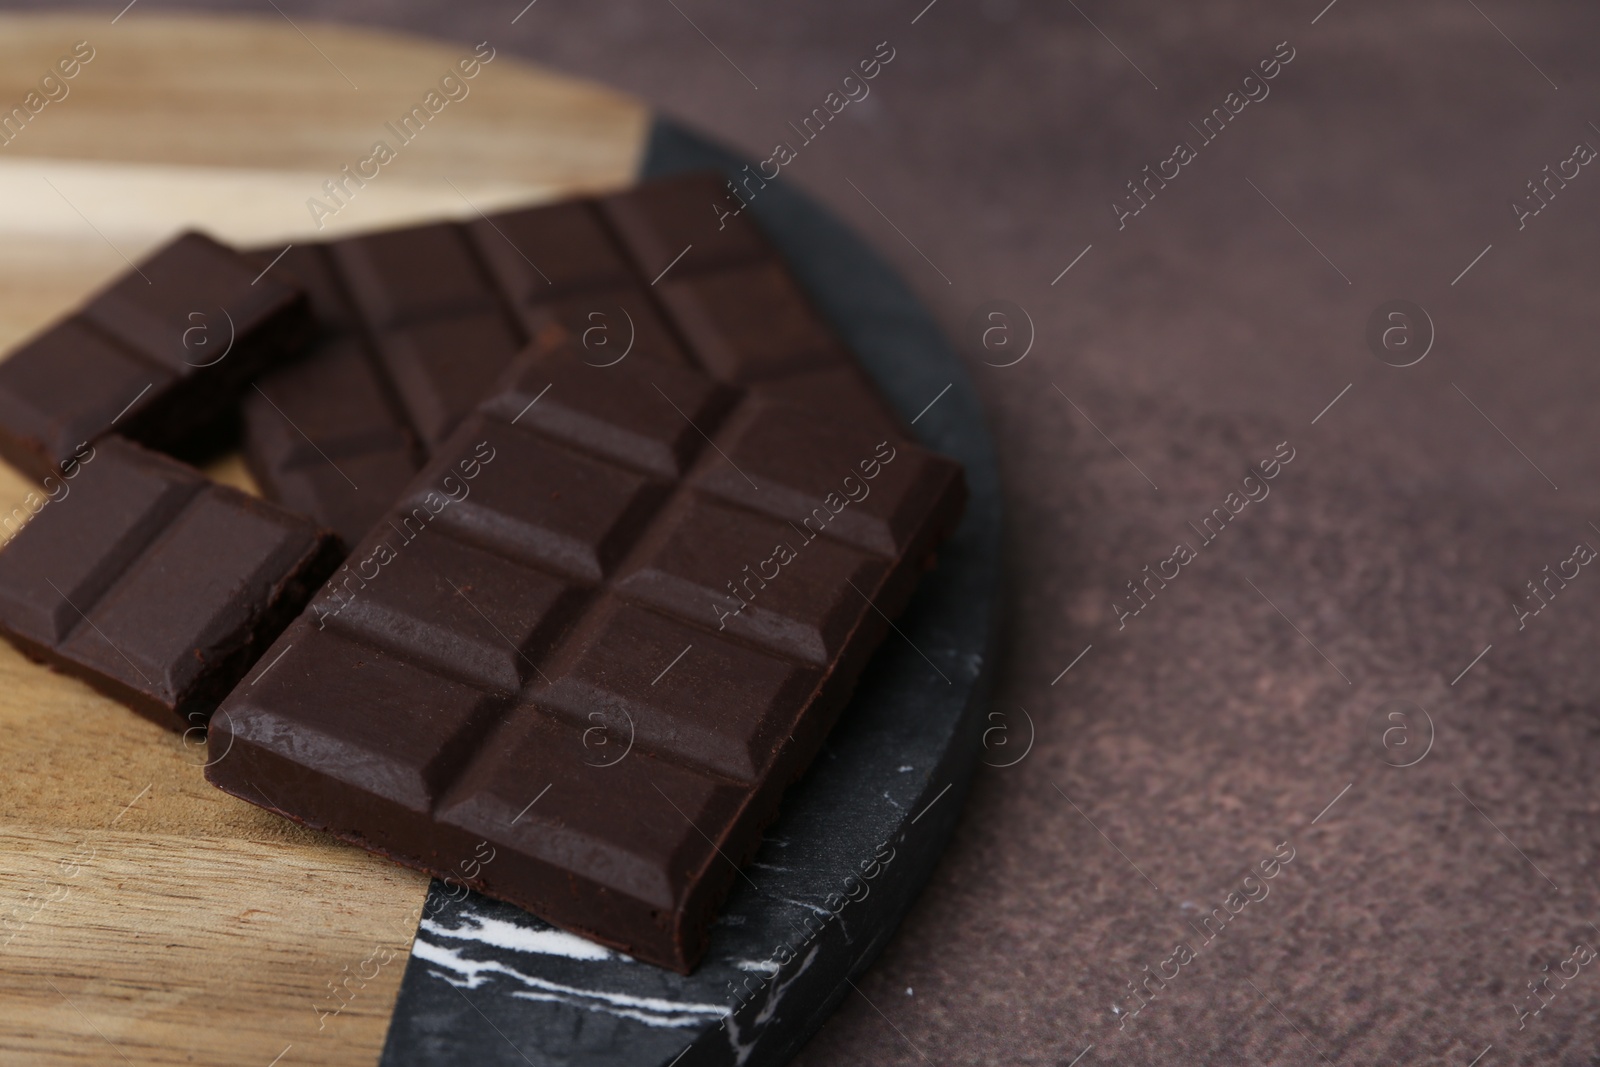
(487,983)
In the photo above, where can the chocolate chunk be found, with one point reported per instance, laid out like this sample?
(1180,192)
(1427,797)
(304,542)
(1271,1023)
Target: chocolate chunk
(686,561)
(158,356)
(559,265)
(153,584)
(413,275)
(429,316)
(646,418)
(546,252)
(326,441)
(611,325)
(413,334)
(750,322)
(604,627)
(569,513)
(667,226)
(442,367)
(326,435)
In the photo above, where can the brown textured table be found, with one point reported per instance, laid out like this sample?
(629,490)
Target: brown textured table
(1252,690)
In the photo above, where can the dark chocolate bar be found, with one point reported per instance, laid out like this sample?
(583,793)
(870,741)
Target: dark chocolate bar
(605,626)
(153,584)
(418,322)
(158,356)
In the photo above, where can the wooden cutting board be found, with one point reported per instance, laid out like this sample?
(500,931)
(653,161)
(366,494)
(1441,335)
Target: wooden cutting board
(146,918)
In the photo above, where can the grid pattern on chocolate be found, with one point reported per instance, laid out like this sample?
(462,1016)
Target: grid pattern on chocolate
(156,356)
(424,311)
(339,432)
(155,584)
(586,593)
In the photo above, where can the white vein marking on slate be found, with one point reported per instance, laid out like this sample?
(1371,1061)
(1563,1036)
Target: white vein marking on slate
(518,938)
(652,1011)
(770,968)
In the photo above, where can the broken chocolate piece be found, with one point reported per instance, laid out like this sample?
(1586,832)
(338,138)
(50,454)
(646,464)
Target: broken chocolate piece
(159,356)
(153,584)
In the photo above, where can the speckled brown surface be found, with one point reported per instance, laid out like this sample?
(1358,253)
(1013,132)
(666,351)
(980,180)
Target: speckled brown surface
(1210,729)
